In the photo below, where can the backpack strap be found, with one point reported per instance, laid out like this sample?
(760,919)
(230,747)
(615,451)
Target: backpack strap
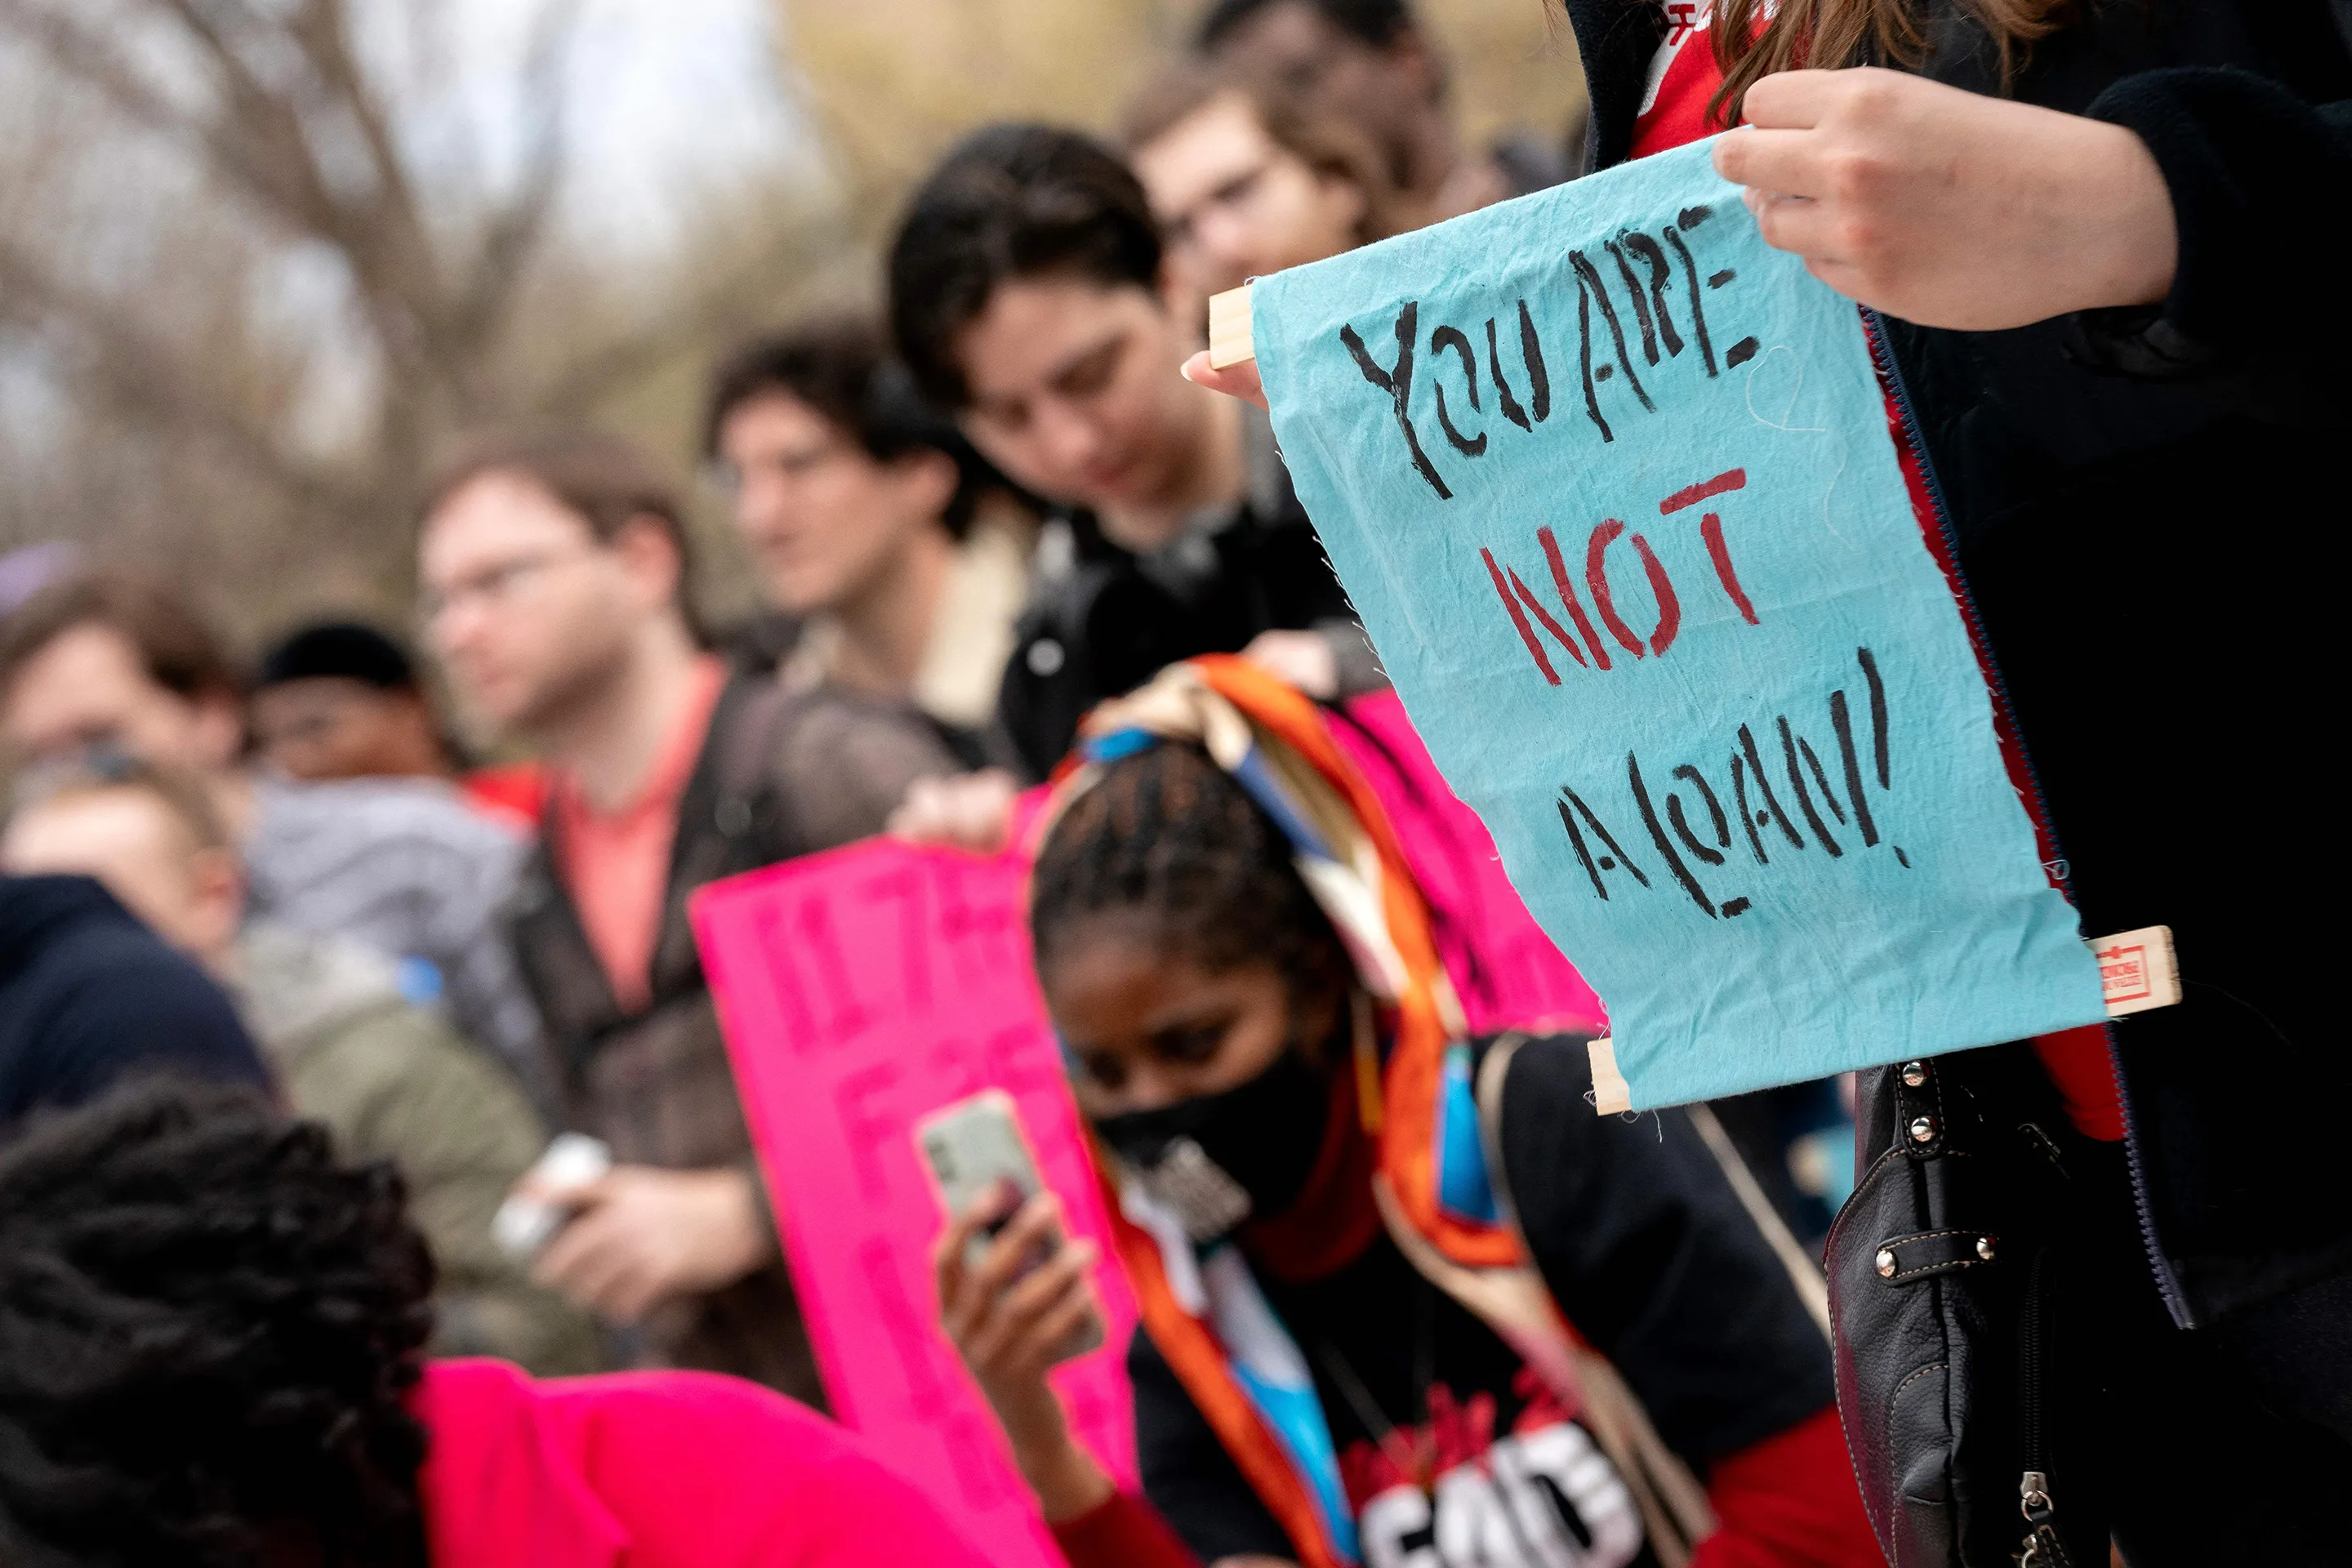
(752,719)
(1518,1306)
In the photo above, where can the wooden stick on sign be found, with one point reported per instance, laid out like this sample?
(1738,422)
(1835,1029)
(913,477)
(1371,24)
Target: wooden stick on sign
(1229,328)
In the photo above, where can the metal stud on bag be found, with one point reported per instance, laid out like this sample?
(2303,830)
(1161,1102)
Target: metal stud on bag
(1914,1075)
(1885,1261)
(1923,1131)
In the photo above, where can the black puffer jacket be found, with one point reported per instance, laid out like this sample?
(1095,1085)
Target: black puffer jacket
(2144,503)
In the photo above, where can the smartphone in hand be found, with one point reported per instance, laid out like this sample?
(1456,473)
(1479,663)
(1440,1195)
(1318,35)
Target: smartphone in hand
(976,1151)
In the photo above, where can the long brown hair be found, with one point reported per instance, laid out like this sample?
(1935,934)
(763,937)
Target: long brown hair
(1835,33)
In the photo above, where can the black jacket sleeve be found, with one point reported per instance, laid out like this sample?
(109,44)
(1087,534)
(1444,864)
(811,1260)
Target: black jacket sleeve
(2257,178)
(126,1005)
(1652,1257)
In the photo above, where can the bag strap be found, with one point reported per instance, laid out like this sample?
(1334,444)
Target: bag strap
(1518,1305)
(1812,1286)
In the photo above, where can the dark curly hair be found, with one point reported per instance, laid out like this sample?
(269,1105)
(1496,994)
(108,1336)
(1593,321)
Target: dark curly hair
(1010,202)
(1168,849)
(207,1332)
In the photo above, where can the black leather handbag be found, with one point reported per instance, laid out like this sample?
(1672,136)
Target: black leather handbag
(1964,1356)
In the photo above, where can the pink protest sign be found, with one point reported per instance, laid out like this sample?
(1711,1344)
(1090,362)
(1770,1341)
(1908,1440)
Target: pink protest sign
(861,990)
(1506,971)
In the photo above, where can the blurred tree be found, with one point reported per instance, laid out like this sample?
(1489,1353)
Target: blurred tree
(257,265)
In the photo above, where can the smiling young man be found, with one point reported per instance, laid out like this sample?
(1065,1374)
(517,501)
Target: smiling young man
(554,572)
(1029,295)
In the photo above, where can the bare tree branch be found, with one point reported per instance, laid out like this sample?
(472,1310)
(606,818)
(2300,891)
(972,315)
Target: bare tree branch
(515,231)
(139,373)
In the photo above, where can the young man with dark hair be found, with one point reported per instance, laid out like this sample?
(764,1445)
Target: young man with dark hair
(1028,294)
(1371,63)
(555,574)
(111,659)
(864,509)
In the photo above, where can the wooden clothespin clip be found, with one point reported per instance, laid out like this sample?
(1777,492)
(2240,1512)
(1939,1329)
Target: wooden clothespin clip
(2137,970)
(1612,1095)
(1229,328)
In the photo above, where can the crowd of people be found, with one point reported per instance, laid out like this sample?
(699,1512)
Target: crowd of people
(295,987)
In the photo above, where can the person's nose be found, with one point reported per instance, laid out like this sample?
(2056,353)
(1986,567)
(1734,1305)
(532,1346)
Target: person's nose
(457,623)
(763,510)
(1150,1087)
(1068,435)
(1228,245)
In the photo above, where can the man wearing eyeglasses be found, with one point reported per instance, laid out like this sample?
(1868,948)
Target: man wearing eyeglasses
(555,574)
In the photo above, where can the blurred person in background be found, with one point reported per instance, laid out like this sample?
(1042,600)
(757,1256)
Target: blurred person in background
(217,1332)
(554,571)
(870,519)
(89,996)
(341,700)
(1370,63)
(391,1079)
(337,699)
(1245,181)
(401,864)
(1029,293)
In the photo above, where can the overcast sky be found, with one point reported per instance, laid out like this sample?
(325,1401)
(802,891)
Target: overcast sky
(663,92)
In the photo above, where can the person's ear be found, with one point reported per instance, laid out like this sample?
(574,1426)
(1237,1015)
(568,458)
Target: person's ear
(216,897)
(1409,53)
(926,480)
(1188,313)
(1351,207)
(216,731)
(651,558)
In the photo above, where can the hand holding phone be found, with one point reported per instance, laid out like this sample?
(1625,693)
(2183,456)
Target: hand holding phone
(1005,1227)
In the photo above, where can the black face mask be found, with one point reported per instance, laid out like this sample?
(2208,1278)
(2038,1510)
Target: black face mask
(1223,1157)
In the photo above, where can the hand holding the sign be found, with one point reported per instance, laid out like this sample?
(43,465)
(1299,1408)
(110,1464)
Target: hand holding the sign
(642,1235)
(971,812)
(1949,208)
(1234,381)
(1012,1327)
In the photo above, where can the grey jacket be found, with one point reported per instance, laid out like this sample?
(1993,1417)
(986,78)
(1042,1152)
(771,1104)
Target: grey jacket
(394,1082)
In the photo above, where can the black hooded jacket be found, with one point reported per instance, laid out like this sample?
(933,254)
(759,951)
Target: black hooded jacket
(88,996)
(2144,502)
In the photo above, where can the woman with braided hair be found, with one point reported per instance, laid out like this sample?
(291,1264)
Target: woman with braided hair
(1406,1299)
(211,1341)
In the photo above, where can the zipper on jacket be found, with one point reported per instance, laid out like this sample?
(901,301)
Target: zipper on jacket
(1890,374)
(2041,1547)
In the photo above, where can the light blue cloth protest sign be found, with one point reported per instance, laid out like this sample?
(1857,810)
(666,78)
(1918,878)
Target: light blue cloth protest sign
(1611,481)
